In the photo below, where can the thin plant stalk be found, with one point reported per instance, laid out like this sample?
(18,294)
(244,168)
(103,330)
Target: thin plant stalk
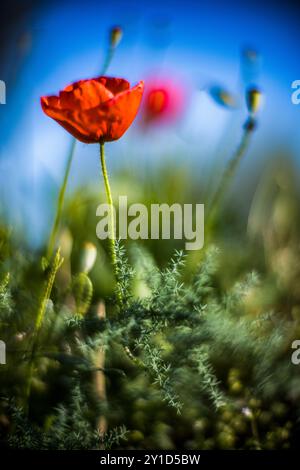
(254,428)
(112,237)
(61,196)
(57,262)
(60,202)
(108,59)
(100,382)
(229,174)
(255,432)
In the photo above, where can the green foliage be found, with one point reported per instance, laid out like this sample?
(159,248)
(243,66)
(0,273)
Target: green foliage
(83,292)
(208,379)
(178,342)
(5,299)
(67,429)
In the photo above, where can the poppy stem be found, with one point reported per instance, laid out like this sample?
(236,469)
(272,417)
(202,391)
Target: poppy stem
(229,173)
(108,59)
(60,202)
(112,237)
(52,239)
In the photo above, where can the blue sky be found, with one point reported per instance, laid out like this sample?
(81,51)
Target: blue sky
(198,43)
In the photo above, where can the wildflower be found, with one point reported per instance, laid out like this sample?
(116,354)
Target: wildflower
(95,110)
(98,110)
(163,101)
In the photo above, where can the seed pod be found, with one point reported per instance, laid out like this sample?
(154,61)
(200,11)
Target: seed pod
(89,257)
(83,293)
(66,243)
(223,97)
(250,55)
(253,99)
(116,34)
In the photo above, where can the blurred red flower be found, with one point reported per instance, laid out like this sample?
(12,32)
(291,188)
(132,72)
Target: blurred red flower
(99,109)
(163,100)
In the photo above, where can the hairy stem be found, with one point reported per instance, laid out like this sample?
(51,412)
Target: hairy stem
(112,229)
(61,196)
(112,238)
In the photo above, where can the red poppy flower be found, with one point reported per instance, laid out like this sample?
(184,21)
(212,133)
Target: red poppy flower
(99,109)
(163,100)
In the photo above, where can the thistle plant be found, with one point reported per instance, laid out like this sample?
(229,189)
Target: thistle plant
(186,347)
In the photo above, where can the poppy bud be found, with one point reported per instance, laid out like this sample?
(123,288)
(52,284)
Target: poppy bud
(223,97)
(253,99)
(116,34)
(83,293)
(251,55)
(89,257)
(20,336)
(66,243)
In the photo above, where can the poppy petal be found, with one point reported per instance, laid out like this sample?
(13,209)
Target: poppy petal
(97,109)
(66,118)
(84,95)
(118,113)
(115,85)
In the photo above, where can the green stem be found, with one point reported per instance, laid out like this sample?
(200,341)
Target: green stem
(60,202)
(57,262)
(108,59)
(255,433)
(112,238)
(61,196)
(227,176)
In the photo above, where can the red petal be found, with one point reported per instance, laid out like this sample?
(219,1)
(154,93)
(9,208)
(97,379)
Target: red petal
(116,115)
(68,119)
(90,111)
(115,85)
(84,95)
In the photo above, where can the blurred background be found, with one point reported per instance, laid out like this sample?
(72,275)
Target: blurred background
(198,52)
(199,59)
